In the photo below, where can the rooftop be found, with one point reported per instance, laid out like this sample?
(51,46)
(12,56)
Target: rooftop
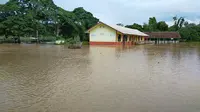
(123,30)
(163,34)
(128,31)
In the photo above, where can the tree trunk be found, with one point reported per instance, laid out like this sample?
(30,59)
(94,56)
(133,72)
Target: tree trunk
(18,40)
(57,29)
(38,40)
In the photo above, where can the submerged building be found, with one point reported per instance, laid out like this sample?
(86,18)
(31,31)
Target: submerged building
(163,37)
(104,34)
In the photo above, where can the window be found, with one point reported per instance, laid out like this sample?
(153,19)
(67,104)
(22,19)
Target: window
(125,38)
(119,38)
(93,35)
(101,33)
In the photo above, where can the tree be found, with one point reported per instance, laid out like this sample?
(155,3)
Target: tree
(135,26)
(43,18)
(152,24)
(162,26)
(191,32)
(146,27)
(11,19)
(84,21)
(178,22)
(85,18)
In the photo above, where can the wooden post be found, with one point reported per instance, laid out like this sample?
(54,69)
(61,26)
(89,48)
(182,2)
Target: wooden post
(128,38)
(122,37)
(136,38)
(155,40)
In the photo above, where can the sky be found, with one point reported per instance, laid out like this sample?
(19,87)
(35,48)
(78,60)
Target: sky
(135,11)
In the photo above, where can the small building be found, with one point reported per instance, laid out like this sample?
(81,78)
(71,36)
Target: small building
(104,34)
(163,37)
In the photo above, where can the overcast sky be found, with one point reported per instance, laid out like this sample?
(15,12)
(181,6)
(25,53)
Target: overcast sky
(135,11)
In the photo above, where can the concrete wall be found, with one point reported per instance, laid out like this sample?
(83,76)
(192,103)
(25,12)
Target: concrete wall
(102,33)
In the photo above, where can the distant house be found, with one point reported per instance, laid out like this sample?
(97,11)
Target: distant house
(104,34)
(163,37)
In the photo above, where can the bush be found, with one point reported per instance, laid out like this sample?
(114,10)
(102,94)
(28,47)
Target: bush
(74,43)
(8,40)
(60,38)
(1,39)
(47,39)
(26,40)
(85,43)
(70,41)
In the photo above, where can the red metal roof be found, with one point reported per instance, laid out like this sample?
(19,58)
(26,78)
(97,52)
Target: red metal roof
(163,34)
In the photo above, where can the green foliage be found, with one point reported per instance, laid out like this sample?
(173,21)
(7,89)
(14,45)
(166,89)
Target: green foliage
(191,32)
(146,27)
(135,26)
(72,41)
(178,23)
(42,18)
(60,38)
(47,39)
(86,19)
(8,40)
(45,21)
(85,43)
(188,32)
(162,26)
(152,24)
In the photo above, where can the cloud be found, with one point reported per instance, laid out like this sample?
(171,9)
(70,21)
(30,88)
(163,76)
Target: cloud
(196,21)
(136,11)
(170,23)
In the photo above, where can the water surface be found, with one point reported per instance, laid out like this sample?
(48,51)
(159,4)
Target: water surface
(144,78)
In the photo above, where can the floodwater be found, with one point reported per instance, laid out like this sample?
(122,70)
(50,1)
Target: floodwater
(143,78)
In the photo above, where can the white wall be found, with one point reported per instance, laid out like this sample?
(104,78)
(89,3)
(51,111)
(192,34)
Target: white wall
(102,33)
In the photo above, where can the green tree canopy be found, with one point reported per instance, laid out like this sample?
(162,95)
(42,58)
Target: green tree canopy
(178,22)
(135,26)
(162,26)
(43,18)
(152,24)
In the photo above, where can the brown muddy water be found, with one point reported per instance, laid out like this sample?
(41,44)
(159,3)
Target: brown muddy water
(144,78)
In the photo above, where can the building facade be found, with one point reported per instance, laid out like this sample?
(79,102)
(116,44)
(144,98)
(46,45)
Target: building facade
(104,34)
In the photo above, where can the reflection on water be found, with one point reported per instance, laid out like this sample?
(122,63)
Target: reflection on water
(144,78)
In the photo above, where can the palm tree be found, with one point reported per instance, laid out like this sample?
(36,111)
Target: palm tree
(178,22)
